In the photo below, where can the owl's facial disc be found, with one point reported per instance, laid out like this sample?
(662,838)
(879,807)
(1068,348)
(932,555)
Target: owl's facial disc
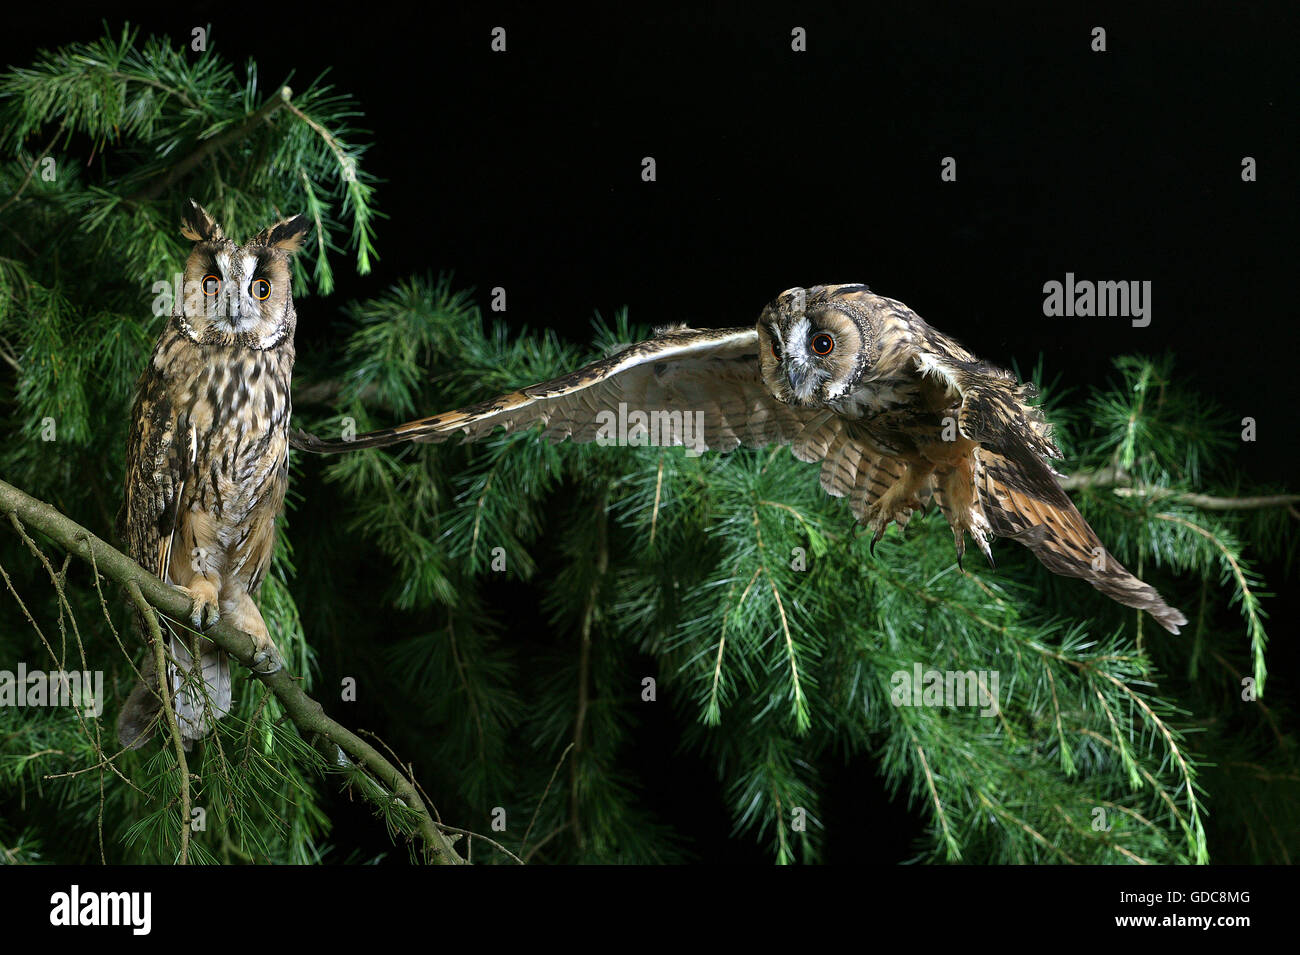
(236,294)
(811,350)
(245,288)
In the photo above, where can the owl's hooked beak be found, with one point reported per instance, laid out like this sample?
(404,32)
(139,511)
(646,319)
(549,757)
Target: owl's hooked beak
(803,379)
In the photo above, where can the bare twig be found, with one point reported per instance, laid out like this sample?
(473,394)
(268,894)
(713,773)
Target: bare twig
(160,665)
(32,171)
(555,772)
(584,666)
(1121,484)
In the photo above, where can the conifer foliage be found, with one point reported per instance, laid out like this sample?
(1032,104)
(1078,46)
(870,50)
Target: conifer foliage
(511,612)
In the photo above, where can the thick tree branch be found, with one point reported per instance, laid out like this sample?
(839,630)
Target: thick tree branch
(1102,477)
(1208,502)
(339,744)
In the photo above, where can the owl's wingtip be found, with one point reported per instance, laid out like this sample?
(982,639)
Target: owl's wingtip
(1171,618)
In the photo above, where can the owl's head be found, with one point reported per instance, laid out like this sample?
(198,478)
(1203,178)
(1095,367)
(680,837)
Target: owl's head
(239,295)
(816,344)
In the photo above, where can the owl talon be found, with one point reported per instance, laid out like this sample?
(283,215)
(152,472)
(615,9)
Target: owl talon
(267,661)
(895,507)
(204,610)
(206,616)
(980,541)
(266,656)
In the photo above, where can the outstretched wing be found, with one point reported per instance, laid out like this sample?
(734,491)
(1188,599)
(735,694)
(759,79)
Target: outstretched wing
(1017,493)
(711,371)
(695,387)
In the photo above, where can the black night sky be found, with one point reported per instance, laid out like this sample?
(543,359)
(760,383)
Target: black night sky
(775,168)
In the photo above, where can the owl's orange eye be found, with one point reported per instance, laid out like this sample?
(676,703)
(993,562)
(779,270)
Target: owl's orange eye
(822,344)
(211,284)
(775,354)
(260,289)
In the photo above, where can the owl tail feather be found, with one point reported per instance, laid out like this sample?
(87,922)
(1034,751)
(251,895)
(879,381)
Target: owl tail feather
(140,712)
(198,704)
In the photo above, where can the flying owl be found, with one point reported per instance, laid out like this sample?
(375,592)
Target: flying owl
(898,415)
(208,458)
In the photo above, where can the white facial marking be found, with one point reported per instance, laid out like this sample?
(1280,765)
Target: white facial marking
(799,331)
(243,311)
(249,312)
(802,372)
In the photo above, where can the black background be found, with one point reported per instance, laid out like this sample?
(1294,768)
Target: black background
(776,168)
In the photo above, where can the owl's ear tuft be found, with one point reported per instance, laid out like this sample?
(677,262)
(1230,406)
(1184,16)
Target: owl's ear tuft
(287,234)
(197,225)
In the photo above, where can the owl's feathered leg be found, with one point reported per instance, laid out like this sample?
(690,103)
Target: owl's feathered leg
(241,611)
(897,503)
(199,700)
(203,694)
(198,672)
(200,695)
(954,490)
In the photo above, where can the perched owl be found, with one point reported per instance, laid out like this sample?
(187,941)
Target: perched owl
(898,414)
(208,458)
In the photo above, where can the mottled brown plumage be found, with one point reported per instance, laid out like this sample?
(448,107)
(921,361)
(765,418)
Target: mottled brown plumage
(896,413)
(207,458)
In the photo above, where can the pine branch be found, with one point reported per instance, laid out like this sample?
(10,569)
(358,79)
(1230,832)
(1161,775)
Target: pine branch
(307,714)
(210,146)
(1250,605)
